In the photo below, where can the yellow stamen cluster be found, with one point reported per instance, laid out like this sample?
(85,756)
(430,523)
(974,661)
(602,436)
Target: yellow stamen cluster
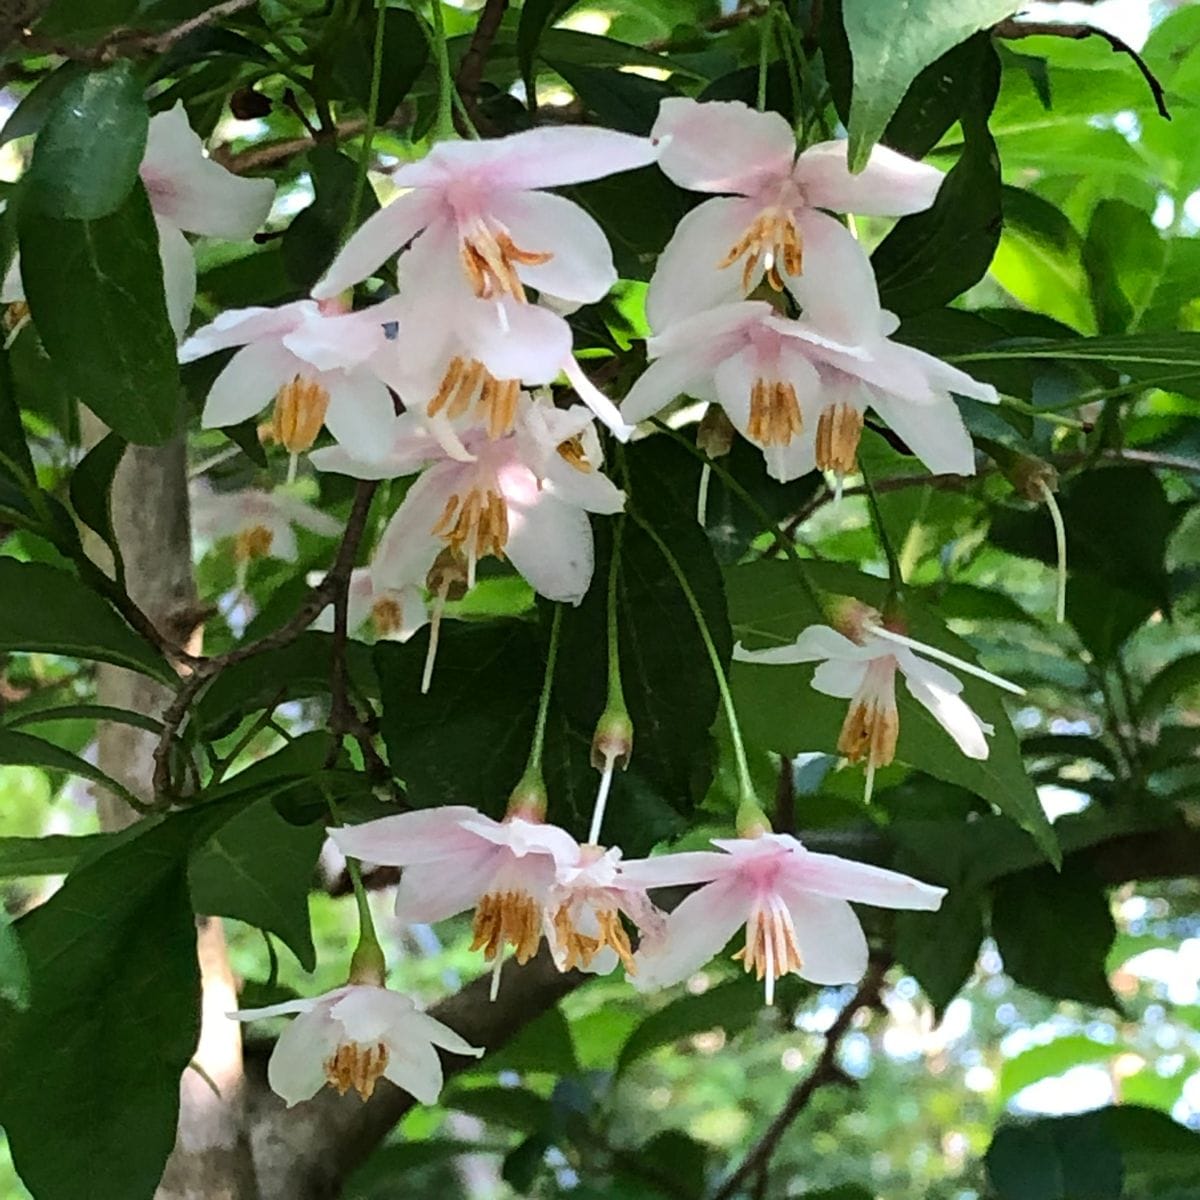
(356,1066)
(15,315)
(467,383)
(507,919)
(251,543)
(581,948)
(387,616)
(490,259)
(299,413)
(770,949)
(477,522)
(773,235)
(574,455)
(839,428)
(869,731)
(774,413)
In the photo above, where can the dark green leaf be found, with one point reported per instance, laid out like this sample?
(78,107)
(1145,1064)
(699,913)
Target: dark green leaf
(1054,932)
(536,15)
(14,971)
(96,294)
(513,1108)
(37,104)
(542,1045)
(26,750)
(89,1086)
(1124,256)
(1182,675)
(620,100)
(91,491)
(940,948)
(84,712)
(59,615)
(258,868)
(86,158)
(82,21)
(892,44)
(1070,1159)
(52,854)
(405,53)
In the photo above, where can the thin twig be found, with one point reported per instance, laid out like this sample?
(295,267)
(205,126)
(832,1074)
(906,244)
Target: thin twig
(825,1072)
(469,80)
(1014,28)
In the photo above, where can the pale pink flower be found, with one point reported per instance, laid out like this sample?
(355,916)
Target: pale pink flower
(314,360)
(585,907)
(769,219)
(863,671)
(261,524)
(388,613)
(456,858)
(353,1036)
(792,902)
(188,193)
(504,233)
(524,497)
(798,391)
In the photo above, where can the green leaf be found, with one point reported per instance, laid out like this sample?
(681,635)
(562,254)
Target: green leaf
(60,615)
(36,105)
(86,158)
(1053,1058)
(892,44)
(258,868)
(542,1045)
(26,750)
(731,1006)
(781,711)
(91,491)
(940,948)
(931,257)
(405,53)
(82,21)
(84,712)
(14,971)
(89,1081)
(536,15)
(1124,256)
(1182,675)
(96,294)
(1071,1159)
(52,854)
(1054,932)
(513,1108)
(620,100)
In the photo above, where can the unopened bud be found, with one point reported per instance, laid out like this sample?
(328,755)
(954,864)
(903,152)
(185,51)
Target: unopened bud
(1030,476)
(368,967)
(751,821)
(715,433)
(850,616)
(612,743)
(528,799)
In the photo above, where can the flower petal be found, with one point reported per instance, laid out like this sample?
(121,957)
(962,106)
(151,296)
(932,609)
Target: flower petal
(890,185)
(840,677)
(831,875)
(675,870)
(247,383)
(365,1011)
(830,938)
(430,1029)
(695,932)
(301,1004)
(722,145)
(550,543)
(529,344)
(928,685)
(688,277)
(241,326)
(408,545)
(935,432)
(411,837)
(379,237)
(179,275)
(414,1066)
(360,414)
(581,264)
(192,191)
(433,891)
(660,383)
(296,1070)
(605,410)
(814,643)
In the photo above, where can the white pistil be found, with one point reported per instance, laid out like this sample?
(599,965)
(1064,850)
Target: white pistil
(435,625)
(890,635)
(1060,542)
(702,495)
(496,966)
(606,777)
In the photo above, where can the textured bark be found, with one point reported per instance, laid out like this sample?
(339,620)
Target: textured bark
(211,1160)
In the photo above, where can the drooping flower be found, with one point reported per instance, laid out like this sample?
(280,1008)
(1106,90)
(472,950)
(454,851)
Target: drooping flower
(585,905)
(797,391)
(314,360)
(524,497)
(351,1038)
(769,219)
(863,671)
(793,903)
(260,523)
(390,613)
(456,858)
(188,193)
(504,233)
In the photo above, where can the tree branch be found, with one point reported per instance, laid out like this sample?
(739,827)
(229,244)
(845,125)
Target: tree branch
(825,1071)
(469,80)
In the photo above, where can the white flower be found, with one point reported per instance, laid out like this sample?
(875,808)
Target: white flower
(524,497)
(353,1036)
(314,360)
(188,193)
(792,902)
(260,523)
(864,672)
(389,613)
(770,222)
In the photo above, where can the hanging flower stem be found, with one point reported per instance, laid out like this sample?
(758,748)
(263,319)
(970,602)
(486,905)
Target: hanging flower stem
(1060,542)
(367,963)
(444,126)
(368,137)
(745,786)
(530,792)
(895,574)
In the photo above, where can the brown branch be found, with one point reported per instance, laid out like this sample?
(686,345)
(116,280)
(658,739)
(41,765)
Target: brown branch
(1014,28)
(825,1072)
(469,80)
(206,669)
